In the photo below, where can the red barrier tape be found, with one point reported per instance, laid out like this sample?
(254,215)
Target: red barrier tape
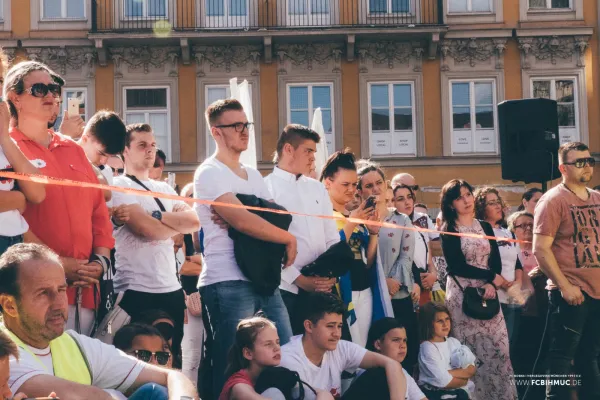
(139,192)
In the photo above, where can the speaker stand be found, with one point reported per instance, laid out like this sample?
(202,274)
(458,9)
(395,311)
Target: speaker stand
(544,186)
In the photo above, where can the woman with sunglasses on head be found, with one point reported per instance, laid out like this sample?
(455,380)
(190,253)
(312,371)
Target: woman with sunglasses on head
(475,262)
(72,221)
(144,342)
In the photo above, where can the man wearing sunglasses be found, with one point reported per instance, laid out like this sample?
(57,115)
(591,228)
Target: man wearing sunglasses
(33,303)
(567,246)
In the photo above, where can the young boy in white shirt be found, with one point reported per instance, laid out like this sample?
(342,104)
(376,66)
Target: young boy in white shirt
(320,357)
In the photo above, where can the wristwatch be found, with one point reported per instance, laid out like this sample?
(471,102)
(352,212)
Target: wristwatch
(157,214)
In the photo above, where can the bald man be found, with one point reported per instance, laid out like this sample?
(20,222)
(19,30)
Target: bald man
(405,179)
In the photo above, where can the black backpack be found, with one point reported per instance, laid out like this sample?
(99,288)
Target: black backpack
(283,379)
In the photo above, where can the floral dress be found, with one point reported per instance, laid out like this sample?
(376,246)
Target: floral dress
(488,339)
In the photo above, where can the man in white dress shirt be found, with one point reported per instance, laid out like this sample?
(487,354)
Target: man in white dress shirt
(293,189)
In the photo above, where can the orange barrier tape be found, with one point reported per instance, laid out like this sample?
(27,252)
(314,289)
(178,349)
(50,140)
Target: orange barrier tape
(140,192)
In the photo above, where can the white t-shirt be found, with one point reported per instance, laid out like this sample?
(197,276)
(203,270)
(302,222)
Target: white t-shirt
(424,221)
(346,357)
(12,222)
(412,389)
(142,264)
(434,362)
(509,253)
(421,254)
(108,174)
(111,369)
(212,180)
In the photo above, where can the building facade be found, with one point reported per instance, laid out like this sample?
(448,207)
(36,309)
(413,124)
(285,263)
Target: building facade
(413,84)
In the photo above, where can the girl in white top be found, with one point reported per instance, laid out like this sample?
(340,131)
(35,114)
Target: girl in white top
(438,376)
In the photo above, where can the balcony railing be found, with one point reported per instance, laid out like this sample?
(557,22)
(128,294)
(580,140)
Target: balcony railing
(201,15)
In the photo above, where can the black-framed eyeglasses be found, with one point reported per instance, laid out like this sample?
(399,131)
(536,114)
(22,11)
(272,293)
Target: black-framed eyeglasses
(41,90)
(525,226)
(162,357)
(414,187)
(238,126)
(494,203)
(582,162)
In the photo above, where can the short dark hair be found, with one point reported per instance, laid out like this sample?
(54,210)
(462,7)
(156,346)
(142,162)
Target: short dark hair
(160,155)
(565,149)
(108,128)
(427,319)
(379,329)
(124,337)
(216,109)
(317,304)
(294,134)
(131,128)
(343,159)
(597,188)
(14,257)
(422,205)
(7,346)
(528,195)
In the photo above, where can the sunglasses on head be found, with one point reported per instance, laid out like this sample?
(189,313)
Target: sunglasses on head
(165,329)
(582,162)
(162,357)
(41,89)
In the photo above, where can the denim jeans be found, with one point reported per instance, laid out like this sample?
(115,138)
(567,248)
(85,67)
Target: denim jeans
(7,241)
(229,302)
(574,331)
(512,316)
(150,391)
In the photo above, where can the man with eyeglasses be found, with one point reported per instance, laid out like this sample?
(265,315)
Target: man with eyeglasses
(33,303)
(566,243)
(226,293)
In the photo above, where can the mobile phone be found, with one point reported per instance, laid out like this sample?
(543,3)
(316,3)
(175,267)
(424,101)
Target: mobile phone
(370,203)
(73,107)
(171,179)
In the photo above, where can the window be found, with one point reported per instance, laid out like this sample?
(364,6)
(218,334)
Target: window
(304,99)
(150,105)
(550,4)
(392,119)
(63,9)
(2,10)
(145,8)
(389,6)
(473,111)
(304,7)
(563,90)
(465,6)
(79,93)
(222,8)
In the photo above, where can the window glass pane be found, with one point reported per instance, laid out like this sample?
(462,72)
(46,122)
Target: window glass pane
(566,115)
(321,97)
(461,117)
(402,119)
(327,121)
(458,6)
(75,9)
(537,3)
(380,120)
(402,96)
(481,5)
(299,97)
(215,8)
(379,96)
(299,117)
(146,98)
(541,89)
(484,116)
(158,122)
(216,93)
(134,8)
(400,6)
(157,8)
(237,8)
(2,10)
(560,3)
(378,6)
(297,7)
(319,6)
(483,93)
(460,94)
(134,118)
(52,9)
(564,91)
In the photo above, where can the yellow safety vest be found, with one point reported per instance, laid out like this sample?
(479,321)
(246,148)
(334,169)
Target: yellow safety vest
(68,359)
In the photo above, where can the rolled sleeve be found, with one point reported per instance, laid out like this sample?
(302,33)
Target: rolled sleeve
(290,274)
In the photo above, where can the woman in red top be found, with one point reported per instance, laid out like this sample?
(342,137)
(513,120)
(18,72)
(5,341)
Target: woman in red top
(72,221)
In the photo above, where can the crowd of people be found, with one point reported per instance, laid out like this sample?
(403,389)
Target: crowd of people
(358,293)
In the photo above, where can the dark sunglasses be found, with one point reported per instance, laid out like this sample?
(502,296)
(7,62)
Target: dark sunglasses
(238,126)
(162,357)
(582,162)
(41,90)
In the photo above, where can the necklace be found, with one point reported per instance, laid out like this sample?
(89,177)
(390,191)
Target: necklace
(586,190)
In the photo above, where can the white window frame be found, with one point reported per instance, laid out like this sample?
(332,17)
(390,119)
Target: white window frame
(309,18)
(577,110)
(392,116)
(2,10)
(311,109)
(227,21)
(470,8)
(472,108)
(144,15)
(63,12)
(389,9)
(147,112)
(549,6)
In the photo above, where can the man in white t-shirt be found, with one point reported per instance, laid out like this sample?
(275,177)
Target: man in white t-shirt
(320,357)
(145,261)
(296,192)
(226,292)
(33,302)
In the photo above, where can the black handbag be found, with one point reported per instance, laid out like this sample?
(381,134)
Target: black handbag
(283,379)
(475,306)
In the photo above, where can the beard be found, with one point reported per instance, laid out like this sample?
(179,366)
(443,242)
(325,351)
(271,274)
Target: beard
(32,326)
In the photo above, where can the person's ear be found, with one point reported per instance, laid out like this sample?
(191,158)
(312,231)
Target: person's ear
(247,354)
(308,326)
(562,168)
(9,305)
(377,345)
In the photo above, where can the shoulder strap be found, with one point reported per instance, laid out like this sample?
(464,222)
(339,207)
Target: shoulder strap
(157,200)
(459,285)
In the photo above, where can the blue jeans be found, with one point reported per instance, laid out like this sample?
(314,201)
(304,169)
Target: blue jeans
(229,302)
(7,241)
(150,391)
(512,317)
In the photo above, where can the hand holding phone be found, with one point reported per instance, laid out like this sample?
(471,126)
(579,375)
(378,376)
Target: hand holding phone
(370,202)
(73,107)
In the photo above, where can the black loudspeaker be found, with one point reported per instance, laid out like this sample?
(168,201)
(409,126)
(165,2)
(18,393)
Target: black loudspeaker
(529,140)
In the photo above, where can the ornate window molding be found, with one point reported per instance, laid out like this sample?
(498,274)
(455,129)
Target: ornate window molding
(310,57)
(552,51)
(463,54)
(573,13)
